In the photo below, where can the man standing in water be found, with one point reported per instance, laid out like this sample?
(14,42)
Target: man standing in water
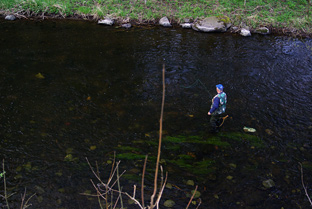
(217,108)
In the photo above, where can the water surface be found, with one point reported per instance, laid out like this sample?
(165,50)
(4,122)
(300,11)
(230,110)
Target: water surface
(102,91)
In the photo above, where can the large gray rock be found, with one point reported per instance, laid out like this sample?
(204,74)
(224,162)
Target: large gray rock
(106,21)
(212,24)
(10,17)
(164,21)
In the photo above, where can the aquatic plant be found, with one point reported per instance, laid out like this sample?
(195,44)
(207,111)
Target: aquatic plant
(213,140)
(252,140)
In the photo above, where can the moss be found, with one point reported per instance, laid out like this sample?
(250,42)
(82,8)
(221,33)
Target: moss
(241,137)
(148,142)
(130,156)
(224,19)
(216,141)
(186,157)
(198,168)
(127,148)
(172,147)
(177,139)
(133,177)
(307,165)
(197,140)
(204,167)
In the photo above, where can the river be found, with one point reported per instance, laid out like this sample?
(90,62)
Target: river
(74,90)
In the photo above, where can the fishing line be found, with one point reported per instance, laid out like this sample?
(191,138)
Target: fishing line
(196,83)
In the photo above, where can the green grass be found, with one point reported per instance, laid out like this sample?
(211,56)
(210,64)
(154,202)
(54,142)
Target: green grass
(279,14)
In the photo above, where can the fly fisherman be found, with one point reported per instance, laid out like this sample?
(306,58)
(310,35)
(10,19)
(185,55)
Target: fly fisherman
(217,109)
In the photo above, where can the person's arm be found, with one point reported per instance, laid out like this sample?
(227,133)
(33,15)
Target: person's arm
(215,105)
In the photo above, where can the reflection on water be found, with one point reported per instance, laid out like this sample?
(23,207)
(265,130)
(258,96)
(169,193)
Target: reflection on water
(102,91)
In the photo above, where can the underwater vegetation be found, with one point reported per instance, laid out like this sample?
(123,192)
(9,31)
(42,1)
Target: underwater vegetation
(194,154)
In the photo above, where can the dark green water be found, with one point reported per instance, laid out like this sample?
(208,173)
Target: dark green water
(101,93)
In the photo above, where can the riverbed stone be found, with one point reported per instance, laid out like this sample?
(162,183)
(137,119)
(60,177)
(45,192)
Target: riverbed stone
(244,32)
(262,30)
(106,21)
(268,183)
(169,186)
(10,17)
(126,25)
(212,24)
(169,203)
(190,183)
(196,195)
(164,21)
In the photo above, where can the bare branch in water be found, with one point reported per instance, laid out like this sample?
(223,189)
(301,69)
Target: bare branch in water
(109,186)
(26,205)
(143,176)
(160,138)
(304,187)
(192,197)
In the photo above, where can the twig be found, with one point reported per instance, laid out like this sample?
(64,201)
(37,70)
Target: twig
(192,197)
(199,203)
(161,191)
(23,198)
(24,206)
(143,176)
(304,187)
(162,176)
(136,201)
(98,191)
(117,202)
(5,189)
(160,137)
(118,182)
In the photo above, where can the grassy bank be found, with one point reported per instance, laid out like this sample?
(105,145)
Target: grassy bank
(293,15)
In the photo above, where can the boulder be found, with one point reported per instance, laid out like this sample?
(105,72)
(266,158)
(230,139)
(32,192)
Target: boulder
(262,30)
(212,24)
(164,21)
(245,32)
(106,21)
(10,17)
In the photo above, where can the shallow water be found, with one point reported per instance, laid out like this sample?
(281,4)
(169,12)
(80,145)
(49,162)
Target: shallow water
(102,91)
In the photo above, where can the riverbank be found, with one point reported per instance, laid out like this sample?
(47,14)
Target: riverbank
(288,17)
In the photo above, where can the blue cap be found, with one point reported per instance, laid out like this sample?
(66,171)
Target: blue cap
(220,86)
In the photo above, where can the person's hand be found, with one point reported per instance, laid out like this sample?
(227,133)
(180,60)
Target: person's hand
(209,113)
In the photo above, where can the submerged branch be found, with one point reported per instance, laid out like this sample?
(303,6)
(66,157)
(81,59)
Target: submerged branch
(304,187)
